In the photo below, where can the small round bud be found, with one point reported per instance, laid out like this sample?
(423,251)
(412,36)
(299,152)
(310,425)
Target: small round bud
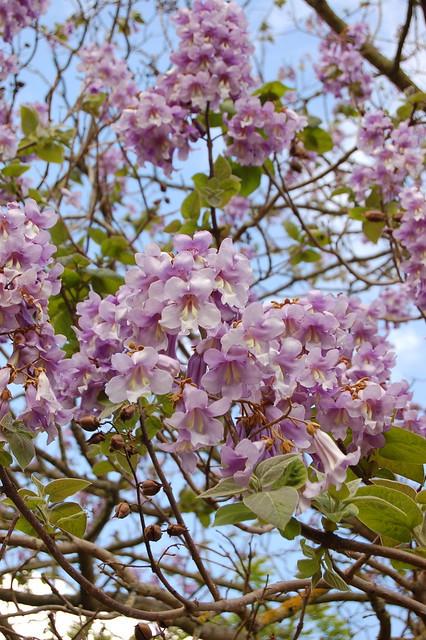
(143,631)
(150,487)
(97,438)
(176,529)
(153,533)
(117,442)
(88,423)
(5,395)
(122,510)
(128,412)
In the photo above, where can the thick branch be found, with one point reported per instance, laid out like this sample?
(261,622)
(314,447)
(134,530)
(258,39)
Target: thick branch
(368,50)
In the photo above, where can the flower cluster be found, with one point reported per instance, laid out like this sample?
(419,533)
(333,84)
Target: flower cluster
(28,278)
(211,64)
(412,235)
(212,61)
(396,154)
(275,371)
(258,131)
(341,65)
(17,14)
(107,75)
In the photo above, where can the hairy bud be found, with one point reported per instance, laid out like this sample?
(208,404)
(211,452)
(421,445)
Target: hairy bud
(176,529)
(153,533)
(143,631)
(128,412)
(122,510)
(117,442)
(150,487)
(97,438)
(88,423)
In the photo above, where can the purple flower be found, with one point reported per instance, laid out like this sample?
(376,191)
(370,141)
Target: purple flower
(239,462)
(142,373)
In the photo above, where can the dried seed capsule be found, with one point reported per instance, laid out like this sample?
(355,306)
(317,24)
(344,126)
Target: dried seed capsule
(97,438)
(153,533)
(122,510)
(176,529)
(150,487)
(143,631)
(88,423)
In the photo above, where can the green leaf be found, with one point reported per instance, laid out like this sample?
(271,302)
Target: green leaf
(383,518)
(398,486)
(404,446)
(102,467)
(29,119)
(291,530)
(421,497)
(70,517)
(292,230)
(25,527)
(306,568)
(190,208)
(58,490)
(173,226)
(233,513)
(272,91)
(274,507)
(334,580)
(15,169)
(222,168)
(316,139)
(21,446)
(226,487)
(250,178)
(117,247)
(397,499)
(105,281)
(286,470)
(97,235)
(50,151)
(92,103)
(411,471)
(373,230)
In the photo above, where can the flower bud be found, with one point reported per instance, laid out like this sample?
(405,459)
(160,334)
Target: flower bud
(128,412)
(143,631)
(176,529)
(97,438)
(150,487)
(88,423)
(153,533)
(117,442)
(122,510)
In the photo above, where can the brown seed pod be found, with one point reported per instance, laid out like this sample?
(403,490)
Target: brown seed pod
(150,487)
(97,438)
(153,533)
(117,442)
(122,510)
(143,631)
(176,529)
(88,423)
(128,412)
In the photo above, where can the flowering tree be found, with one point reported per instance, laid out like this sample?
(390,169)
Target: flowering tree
(201,260)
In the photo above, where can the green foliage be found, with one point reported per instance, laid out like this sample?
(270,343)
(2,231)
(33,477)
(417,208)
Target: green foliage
(316,139)
(274,507)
